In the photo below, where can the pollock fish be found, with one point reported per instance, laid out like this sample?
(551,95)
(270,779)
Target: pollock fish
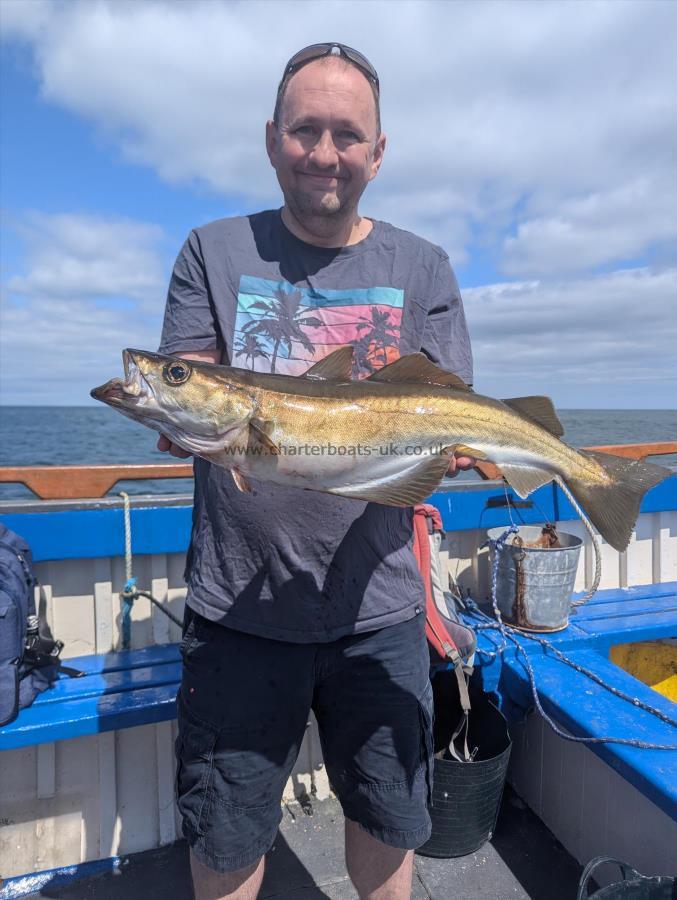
(386,439)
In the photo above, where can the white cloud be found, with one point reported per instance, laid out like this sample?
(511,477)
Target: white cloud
(530,119)
(92,287)
(604,226)
(73,255)
(590,342)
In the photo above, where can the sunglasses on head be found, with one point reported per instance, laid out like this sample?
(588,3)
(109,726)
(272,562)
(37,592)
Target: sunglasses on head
(317,51)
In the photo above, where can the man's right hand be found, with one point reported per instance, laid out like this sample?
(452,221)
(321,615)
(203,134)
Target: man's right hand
(165,445)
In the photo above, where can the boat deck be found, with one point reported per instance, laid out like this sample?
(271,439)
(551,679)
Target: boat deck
(523,861)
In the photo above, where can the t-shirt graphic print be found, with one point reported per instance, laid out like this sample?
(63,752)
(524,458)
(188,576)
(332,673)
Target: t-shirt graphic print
(284,329)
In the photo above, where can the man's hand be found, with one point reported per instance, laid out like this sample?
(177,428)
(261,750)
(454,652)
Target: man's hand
(460,464)
(208,356)
(165,444)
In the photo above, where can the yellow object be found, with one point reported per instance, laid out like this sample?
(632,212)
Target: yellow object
(652,662)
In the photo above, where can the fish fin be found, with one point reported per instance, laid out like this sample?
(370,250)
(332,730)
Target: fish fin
(613,507)
(241,482)
(464,450)
(404,490)
(261,435)
(417,367)
(525,479)
(540,410)
(336,366)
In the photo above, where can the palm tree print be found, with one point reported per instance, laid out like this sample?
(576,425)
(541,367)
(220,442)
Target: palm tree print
(250,347)
(383,333)
(282,322)
(362,365)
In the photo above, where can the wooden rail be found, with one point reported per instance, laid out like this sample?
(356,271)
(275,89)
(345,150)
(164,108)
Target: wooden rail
(81,482)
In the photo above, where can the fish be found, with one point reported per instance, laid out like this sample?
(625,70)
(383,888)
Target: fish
(385,439)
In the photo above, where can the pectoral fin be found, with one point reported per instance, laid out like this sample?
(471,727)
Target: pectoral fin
(406,489)
(259,432)
(241,482)
(525,479)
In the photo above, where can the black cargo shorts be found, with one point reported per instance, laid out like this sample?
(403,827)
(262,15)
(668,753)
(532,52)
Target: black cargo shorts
(243,706)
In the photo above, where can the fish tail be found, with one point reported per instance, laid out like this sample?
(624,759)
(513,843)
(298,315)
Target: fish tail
(613,505)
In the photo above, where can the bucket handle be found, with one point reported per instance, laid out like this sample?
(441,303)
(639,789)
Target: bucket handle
(627,871)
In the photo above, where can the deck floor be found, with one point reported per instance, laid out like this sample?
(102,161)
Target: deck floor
(523,861)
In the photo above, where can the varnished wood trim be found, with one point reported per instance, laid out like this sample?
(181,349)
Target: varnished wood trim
(80,482)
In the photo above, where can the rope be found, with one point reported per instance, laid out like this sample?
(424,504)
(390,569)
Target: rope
(130,592)
(595,543)
(508,634)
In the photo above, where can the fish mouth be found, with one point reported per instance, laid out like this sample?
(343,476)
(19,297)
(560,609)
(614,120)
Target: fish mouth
(131,392)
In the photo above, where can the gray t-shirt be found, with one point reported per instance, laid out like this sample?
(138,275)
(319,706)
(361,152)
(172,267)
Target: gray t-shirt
(285,563)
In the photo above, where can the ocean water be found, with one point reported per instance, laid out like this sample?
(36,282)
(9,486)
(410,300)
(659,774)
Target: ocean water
(49,435)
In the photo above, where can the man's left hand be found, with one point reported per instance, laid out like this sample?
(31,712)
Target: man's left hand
(460,464)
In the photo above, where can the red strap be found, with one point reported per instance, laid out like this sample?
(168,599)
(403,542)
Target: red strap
(435,629)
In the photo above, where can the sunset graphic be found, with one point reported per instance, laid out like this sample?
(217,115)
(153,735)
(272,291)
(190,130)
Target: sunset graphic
(285,329)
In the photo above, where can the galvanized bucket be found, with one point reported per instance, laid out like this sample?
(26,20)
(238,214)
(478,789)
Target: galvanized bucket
(534,583)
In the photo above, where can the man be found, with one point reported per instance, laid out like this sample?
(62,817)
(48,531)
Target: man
(298,600)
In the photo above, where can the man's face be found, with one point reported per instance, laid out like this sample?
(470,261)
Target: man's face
(326,149)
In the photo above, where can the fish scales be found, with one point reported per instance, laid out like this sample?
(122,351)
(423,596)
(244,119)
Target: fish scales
(386,439)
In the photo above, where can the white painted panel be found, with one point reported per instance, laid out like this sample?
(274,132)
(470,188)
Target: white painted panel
(640,552)
(164,750)
(666,533)
(107,795)
(46,770)
(103,606)
(159,587)
(137,789)
(570,802)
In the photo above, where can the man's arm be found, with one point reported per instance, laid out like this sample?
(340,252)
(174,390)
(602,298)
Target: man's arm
(446,340)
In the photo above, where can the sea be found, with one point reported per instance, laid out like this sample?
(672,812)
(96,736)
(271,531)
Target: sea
(79,435)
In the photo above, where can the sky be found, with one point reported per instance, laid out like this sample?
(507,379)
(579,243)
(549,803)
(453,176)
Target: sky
(535,142)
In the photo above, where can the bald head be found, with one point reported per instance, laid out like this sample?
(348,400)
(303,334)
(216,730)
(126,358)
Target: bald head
(338,63)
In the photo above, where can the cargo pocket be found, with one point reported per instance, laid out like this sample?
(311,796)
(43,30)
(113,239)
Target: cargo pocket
(189,632)
(426,714)
(194,750)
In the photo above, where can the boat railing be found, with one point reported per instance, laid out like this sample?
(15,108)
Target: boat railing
(89,481)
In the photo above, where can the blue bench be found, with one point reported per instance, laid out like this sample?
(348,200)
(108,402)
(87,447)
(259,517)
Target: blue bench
(585,708)
(118,690)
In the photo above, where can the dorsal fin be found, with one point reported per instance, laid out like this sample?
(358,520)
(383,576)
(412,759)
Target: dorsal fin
(336,366)
(417,367)
(540,410)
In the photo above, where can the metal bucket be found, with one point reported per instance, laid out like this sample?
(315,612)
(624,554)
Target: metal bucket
(534,584)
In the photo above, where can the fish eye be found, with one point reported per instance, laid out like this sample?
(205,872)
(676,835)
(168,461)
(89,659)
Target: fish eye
(176,373)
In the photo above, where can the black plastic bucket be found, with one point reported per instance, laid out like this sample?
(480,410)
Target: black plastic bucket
(466,795)
(633,887)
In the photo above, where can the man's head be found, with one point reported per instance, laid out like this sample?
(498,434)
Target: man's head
(325,141)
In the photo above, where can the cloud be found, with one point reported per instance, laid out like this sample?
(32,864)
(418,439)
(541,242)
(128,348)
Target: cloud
(586,232)
(73,255)
(599,341)
(92,287)
(532,123)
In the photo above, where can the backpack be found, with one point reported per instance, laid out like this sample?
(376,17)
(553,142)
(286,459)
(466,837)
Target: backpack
(29,662)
